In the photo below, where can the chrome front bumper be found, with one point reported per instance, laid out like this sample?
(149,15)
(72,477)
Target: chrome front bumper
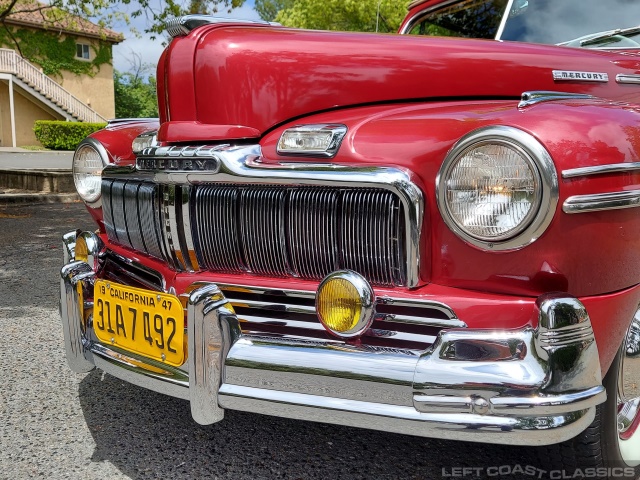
(528,386)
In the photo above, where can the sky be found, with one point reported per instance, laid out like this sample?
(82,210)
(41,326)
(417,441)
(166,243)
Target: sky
(150,50)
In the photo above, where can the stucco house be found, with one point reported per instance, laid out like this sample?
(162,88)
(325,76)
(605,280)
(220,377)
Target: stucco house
(53,66)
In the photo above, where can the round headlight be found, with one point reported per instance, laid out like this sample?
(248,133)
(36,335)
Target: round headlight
(88,162)
(345,304)
(498,188)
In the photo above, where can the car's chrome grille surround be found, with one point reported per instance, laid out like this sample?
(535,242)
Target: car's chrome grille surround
(223,208)
(276,230)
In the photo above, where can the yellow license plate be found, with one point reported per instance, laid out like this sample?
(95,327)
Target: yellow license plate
(141,321)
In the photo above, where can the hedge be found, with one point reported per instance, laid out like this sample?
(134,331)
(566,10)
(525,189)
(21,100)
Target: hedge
(61,135)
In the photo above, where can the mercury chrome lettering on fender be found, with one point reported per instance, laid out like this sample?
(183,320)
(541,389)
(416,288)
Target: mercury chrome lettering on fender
(569,75)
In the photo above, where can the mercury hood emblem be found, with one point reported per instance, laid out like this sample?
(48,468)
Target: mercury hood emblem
(576,76)
(180,159)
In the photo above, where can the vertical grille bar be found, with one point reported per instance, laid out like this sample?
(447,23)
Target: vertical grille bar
(167,210)
(215,228)
(371,236)
(262,216)
(107,215)
(132,218)
(149,223)
(312,239)
(117,212)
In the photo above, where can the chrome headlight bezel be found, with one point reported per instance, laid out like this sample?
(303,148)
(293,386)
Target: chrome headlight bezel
(94,201)
(538,158)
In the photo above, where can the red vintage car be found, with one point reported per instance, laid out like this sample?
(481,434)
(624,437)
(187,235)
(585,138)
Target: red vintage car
(431,236)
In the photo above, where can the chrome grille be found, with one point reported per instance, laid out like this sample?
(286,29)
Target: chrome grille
(304,232)
(399,324)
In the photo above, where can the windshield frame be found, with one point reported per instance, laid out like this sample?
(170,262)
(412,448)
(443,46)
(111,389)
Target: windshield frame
(408,26)
(416,18)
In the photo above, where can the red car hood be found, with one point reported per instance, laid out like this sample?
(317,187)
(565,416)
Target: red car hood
(239,81)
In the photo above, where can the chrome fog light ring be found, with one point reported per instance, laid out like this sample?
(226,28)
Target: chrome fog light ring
(342,295)
(543,178)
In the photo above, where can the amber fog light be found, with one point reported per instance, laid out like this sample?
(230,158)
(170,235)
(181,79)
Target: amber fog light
(345,304)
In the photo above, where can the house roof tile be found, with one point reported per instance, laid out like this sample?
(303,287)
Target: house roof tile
(39,15)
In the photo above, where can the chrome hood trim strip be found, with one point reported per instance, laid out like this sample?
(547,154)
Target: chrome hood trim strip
(602,201)
(601,169)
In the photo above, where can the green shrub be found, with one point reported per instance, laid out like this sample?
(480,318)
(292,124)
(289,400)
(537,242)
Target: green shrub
(61,135)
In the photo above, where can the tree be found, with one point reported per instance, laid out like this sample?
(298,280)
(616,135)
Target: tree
(55,12)
(135,98)
(268,9)
(135,90)
(346,15)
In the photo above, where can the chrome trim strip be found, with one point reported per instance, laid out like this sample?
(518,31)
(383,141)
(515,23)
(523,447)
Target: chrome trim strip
(628,79)
(473,404)
(105,357)
(601,169)
(185,208)
(431,322)
(244,164)
(317,327)
(441,307)
(118,121)
(531,98)
(503,21)
(166,195)
(406,420)
(602,201)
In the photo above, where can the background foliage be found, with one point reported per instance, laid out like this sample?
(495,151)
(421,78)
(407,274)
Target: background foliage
(61,135)
(135,96)
(346,15)
(135,90)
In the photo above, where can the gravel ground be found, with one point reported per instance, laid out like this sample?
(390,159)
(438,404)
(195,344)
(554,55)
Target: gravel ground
(57,424)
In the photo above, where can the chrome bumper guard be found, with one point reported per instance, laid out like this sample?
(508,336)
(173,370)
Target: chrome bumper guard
(528,386)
